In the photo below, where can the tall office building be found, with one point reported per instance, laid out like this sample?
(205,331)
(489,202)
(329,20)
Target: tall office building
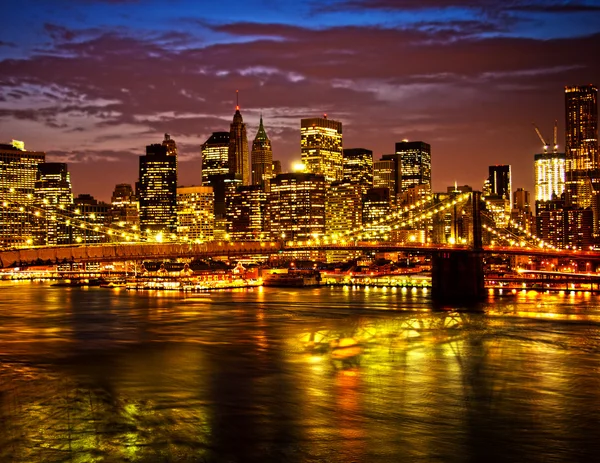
(385,174)
(96,216)
(321,146)
(415,159)
(358,167)
(170,145)
(343,207)
(215,156)
(581,144)
(125,208)
(343,212)
(18,174)
(376,205)
(396,159)
(499,183)
(239,158)
(158,192)
(522,200)
(195,213)
(550,221)
(549,175)
(297,206)
(276,167)
(521,213)
(247,214)
(53,196)
(262,157)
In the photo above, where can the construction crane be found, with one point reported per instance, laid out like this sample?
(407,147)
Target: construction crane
(555,138)
(539,134)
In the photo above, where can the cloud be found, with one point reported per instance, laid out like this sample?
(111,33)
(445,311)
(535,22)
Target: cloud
(557,6)
(97,96)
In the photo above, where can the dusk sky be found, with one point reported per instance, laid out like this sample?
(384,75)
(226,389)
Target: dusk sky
(93,82)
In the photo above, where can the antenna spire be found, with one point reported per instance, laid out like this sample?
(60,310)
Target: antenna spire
(237,100)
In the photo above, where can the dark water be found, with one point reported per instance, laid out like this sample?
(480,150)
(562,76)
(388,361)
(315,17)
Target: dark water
(312,375)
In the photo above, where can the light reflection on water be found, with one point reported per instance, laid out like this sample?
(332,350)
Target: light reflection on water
(327,374)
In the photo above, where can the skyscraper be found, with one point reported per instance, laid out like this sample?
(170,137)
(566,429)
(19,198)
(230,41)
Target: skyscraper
(549,175)
(321,146)
(581,144)
(195,213)
(385,175)
(53,195)
(358,167)
(239,158)
(499,182)
(246,212)
(215,156)
(262,157)
(125,207)
(377,205)
(96,215)
(297,206)
(18,174)
(158,191)
(415,159)
(170,144)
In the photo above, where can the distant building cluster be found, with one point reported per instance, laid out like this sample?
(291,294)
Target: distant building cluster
(243,195)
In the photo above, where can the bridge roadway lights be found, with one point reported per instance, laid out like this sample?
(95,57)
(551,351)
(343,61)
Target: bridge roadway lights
(457,276)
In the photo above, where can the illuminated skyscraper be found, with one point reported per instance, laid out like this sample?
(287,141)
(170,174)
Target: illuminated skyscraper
(18,174)
(53,196)
(343,212)
(239,158)
(158,191)
(358,167)
(97,215)
(377,205)
(321,146)
(262,157)
(549,175)
(247,215)
(170,144)
(195,213)
(385,175)
(499,183)
(581,140)
(343,207)
(415,162)
(125,208)
(396,172)
(215,156)
(297,206)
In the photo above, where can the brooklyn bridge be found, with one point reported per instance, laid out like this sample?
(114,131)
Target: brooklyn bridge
(457,269)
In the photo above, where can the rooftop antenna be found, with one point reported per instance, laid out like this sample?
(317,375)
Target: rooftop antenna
(237,100)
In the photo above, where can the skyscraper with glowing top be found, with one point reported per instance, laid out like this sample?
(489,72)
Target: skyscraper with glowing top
(581,144)
(262,157)
(549,175)
(239,158)
(321,146)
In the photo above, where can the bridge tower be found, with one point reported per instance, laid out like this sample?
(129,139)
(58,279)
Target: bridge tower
(457,275)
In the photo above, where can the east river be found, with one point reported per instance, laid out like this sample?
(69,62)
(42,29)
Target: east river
(296,375)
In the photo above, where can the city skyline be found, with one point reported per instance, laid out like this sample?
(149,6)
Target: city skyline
(93,85)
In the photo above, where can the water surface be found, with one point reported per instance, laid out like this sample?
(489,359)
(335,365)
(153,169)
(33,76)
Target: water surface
(298,375)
